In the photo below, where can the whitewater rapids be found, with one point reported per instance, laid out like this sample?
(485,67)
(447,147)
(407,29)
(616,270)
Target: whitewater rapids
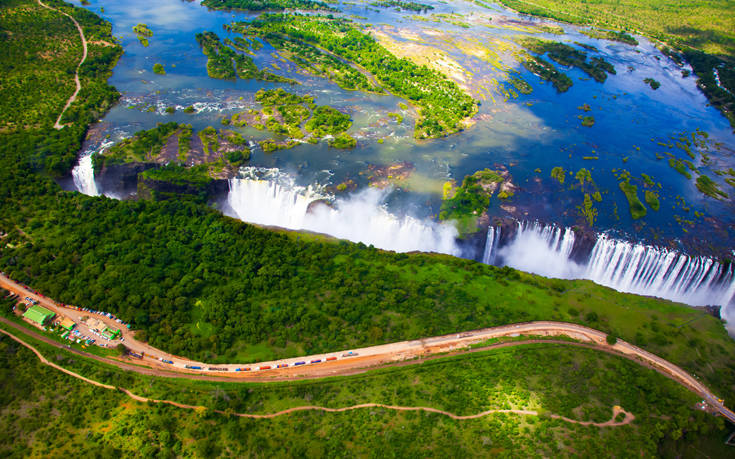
(360,217)
(622,265)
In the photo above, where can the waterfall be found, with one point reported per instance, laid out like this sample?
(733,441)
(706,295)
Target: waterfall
(491,245)
(621,265)
(540,249)
(648,270)
(271,198)
(83,172)
(83,175)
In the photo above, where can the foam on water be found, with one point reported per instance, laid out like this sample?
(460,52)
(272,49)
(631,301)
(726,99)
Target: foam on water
(622,265)
(269,197)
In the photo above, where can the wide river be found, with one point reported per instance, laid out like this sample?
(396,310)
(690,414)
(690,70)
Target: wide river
(636,129)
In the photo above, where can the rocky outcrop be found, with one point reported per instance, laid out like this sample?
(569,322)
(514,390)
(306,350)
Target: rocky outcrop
(159,189)
(121,179)
(711,310)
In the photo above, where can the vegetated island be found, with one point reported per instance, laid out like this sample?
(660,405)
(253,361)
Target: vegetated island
(198,158)
(403,5)
(637,209)
(267,5)
(143,33)
(225,63)
(568,56)
(467,203)
(289,115)
(443,107)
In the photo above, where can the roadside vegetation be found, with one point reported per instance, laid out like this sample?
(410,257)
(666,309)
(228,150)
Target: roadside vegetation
(579,383)
(35,89)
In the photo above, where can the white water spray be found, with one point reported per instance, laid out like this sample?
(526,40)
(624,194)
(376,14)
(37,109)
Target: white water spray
(83,175)
(621,265)
(539,249)
(361,217)
(491,245)
(83,172)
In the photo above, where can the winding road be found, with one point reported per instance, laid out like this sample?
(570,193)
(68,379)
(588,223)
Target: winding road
(360,360)
(629,417)
(73,97)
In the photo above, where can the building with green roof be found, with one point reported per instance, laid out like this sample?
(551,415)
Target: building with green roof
(110,333)
(38,314)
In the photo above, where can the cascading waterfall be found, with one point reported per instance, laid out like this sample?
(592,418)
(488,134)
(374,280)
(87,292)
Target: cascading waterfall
(491,245)
(361,217)
(538,249)
(83,172)
(621,265)
(647,270)
(83,175)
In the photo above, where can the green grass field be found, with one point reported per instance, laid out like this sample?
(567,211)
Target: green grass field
(708,26)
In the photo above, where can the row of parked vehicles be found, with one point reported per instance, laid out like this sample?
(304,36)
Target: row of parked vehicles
(76,335)
(265,367)
(99,313)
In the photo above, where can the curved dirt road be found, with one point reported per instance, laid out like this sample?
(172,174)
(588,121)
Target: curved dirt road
(73,97)
(629,417)
(349,362)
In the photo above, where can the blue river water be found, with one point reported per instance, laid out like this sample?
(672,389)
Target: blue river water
(528,135)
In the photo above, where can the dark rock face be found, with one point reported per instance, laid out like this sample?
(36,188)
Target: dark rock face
(121,179)
(315,205)
(584,242)
(148,189)
(714,311)
(472,246)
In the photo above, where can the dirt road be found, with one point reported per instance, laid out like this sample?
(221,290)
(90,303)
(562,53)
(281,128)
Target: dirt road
(73,97)
(356,360)
(629,417)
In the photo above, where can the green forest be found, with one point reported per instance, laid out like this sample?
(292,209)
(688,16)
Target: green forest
(169,266)
(549,378)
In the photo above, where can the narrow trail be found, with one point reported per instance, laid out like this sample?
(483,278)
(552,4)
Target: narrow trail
(73,97)
(629,417)
(363,359)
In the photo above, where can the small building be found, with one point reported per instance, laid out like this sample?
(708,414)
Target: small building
(110,333)
(38,315)
(67,323)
